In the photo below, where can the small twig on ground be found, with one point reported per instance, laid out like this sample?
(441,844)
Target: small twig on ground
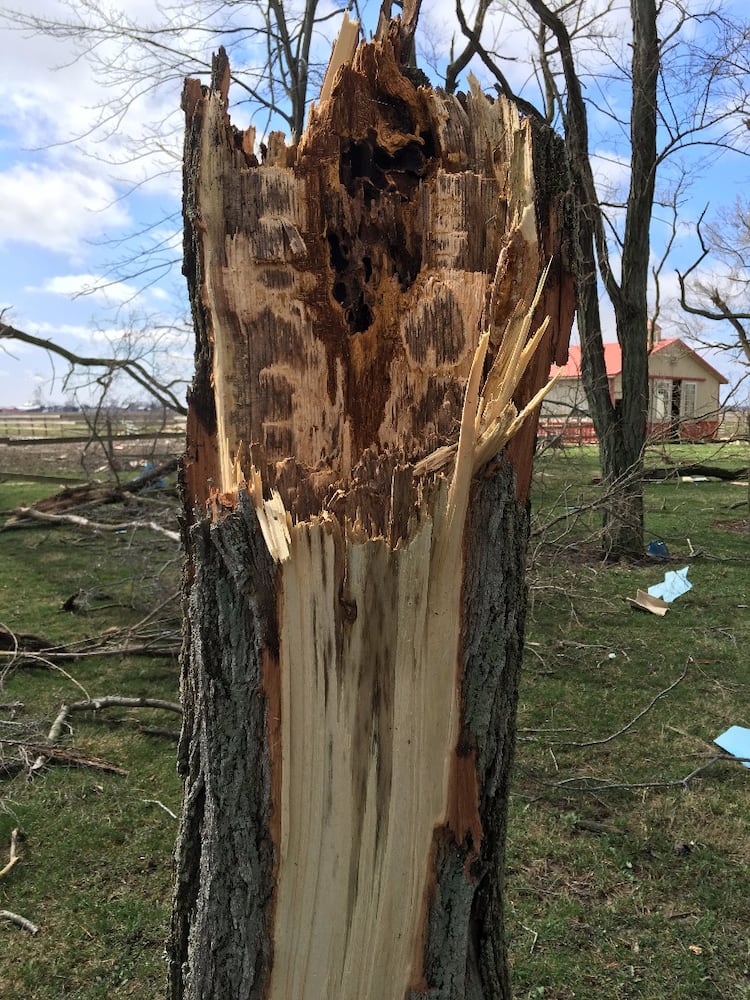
(14,854)
(534,935)
(591,783)
(57,726)
(156,802)
(20,921)
(628,725)
(46,662)
(154,612)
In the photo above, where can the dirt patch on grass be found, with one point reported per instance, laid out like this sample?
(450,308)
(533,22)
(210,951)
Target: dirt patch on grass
(742,525)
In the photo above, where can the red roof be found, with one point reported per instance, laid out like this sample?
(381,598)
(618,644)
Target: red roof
(613,359)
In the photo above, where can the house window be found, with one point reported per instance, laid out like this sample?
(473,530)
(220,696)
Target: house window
(688,399)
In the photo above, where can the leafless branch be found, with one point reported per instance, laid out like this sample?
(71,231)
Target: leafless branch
(156,802)
(50,751)
(722,311)
(595,784)
(127,366)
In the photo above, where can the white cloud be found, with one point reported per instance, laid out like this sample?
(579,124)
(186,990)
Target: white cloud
(90,285)
(92,105)
(54,209)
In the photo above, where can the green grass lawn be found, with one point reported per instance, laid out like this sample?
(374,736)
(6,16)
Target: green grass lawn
(96,867)
(623,882)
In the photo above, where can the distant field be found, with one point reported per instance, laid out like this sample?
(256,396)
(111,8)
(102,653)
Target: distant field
(76,425)
(64,447)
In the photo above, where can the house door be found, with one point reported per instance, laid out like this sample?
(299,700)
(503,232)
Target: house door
(674,422)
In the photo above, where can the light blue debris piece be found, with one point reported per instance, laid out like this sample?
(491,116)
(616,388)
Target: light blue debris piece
(674,583)
(736,740)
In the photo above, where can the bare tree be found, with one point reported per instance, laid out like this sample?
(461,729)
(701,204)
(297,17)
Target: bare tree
(660,65)
(278,49)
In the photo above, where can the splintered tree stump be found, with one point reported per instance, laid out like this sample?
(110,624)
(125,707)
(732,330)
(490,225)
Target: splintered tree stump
(376,310)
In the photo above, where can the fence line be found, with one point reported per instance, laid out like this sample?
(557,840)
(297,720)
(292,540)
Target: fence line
(64,428)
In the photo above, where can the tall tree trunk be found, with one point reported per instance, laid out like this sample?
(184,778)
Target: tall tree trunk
(620,432)
(621,426)
(356,486)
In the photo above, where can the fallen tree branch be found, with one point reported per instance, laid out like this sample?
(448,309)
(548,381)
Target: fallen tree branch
(99,493)
(167,810)
(712,471)
(51,656)
(95,705)
(30,513)
(15,918)
(14,856)
(57,755)
(120,701)
(47,753)
(132,640)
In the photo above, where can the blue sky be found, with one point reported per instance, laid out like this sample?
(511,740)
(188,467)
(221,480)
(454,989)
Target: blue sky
(76,216)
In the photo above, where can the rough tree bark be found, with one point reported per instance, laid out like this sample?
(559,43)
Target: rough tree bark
(356,488)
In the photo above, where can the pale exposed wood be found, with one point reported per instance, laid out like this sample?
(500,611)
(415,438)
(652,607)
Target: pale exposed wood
(369,705)
(299,365)
(343,53)
(366,755)
(166,809)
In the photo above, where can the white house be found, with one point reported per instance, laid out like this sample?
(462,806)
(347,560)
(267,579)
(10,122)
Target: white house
(683,393)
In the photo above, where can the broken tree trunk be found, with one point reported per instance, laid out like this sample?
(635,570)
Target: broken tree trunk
(357,475)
